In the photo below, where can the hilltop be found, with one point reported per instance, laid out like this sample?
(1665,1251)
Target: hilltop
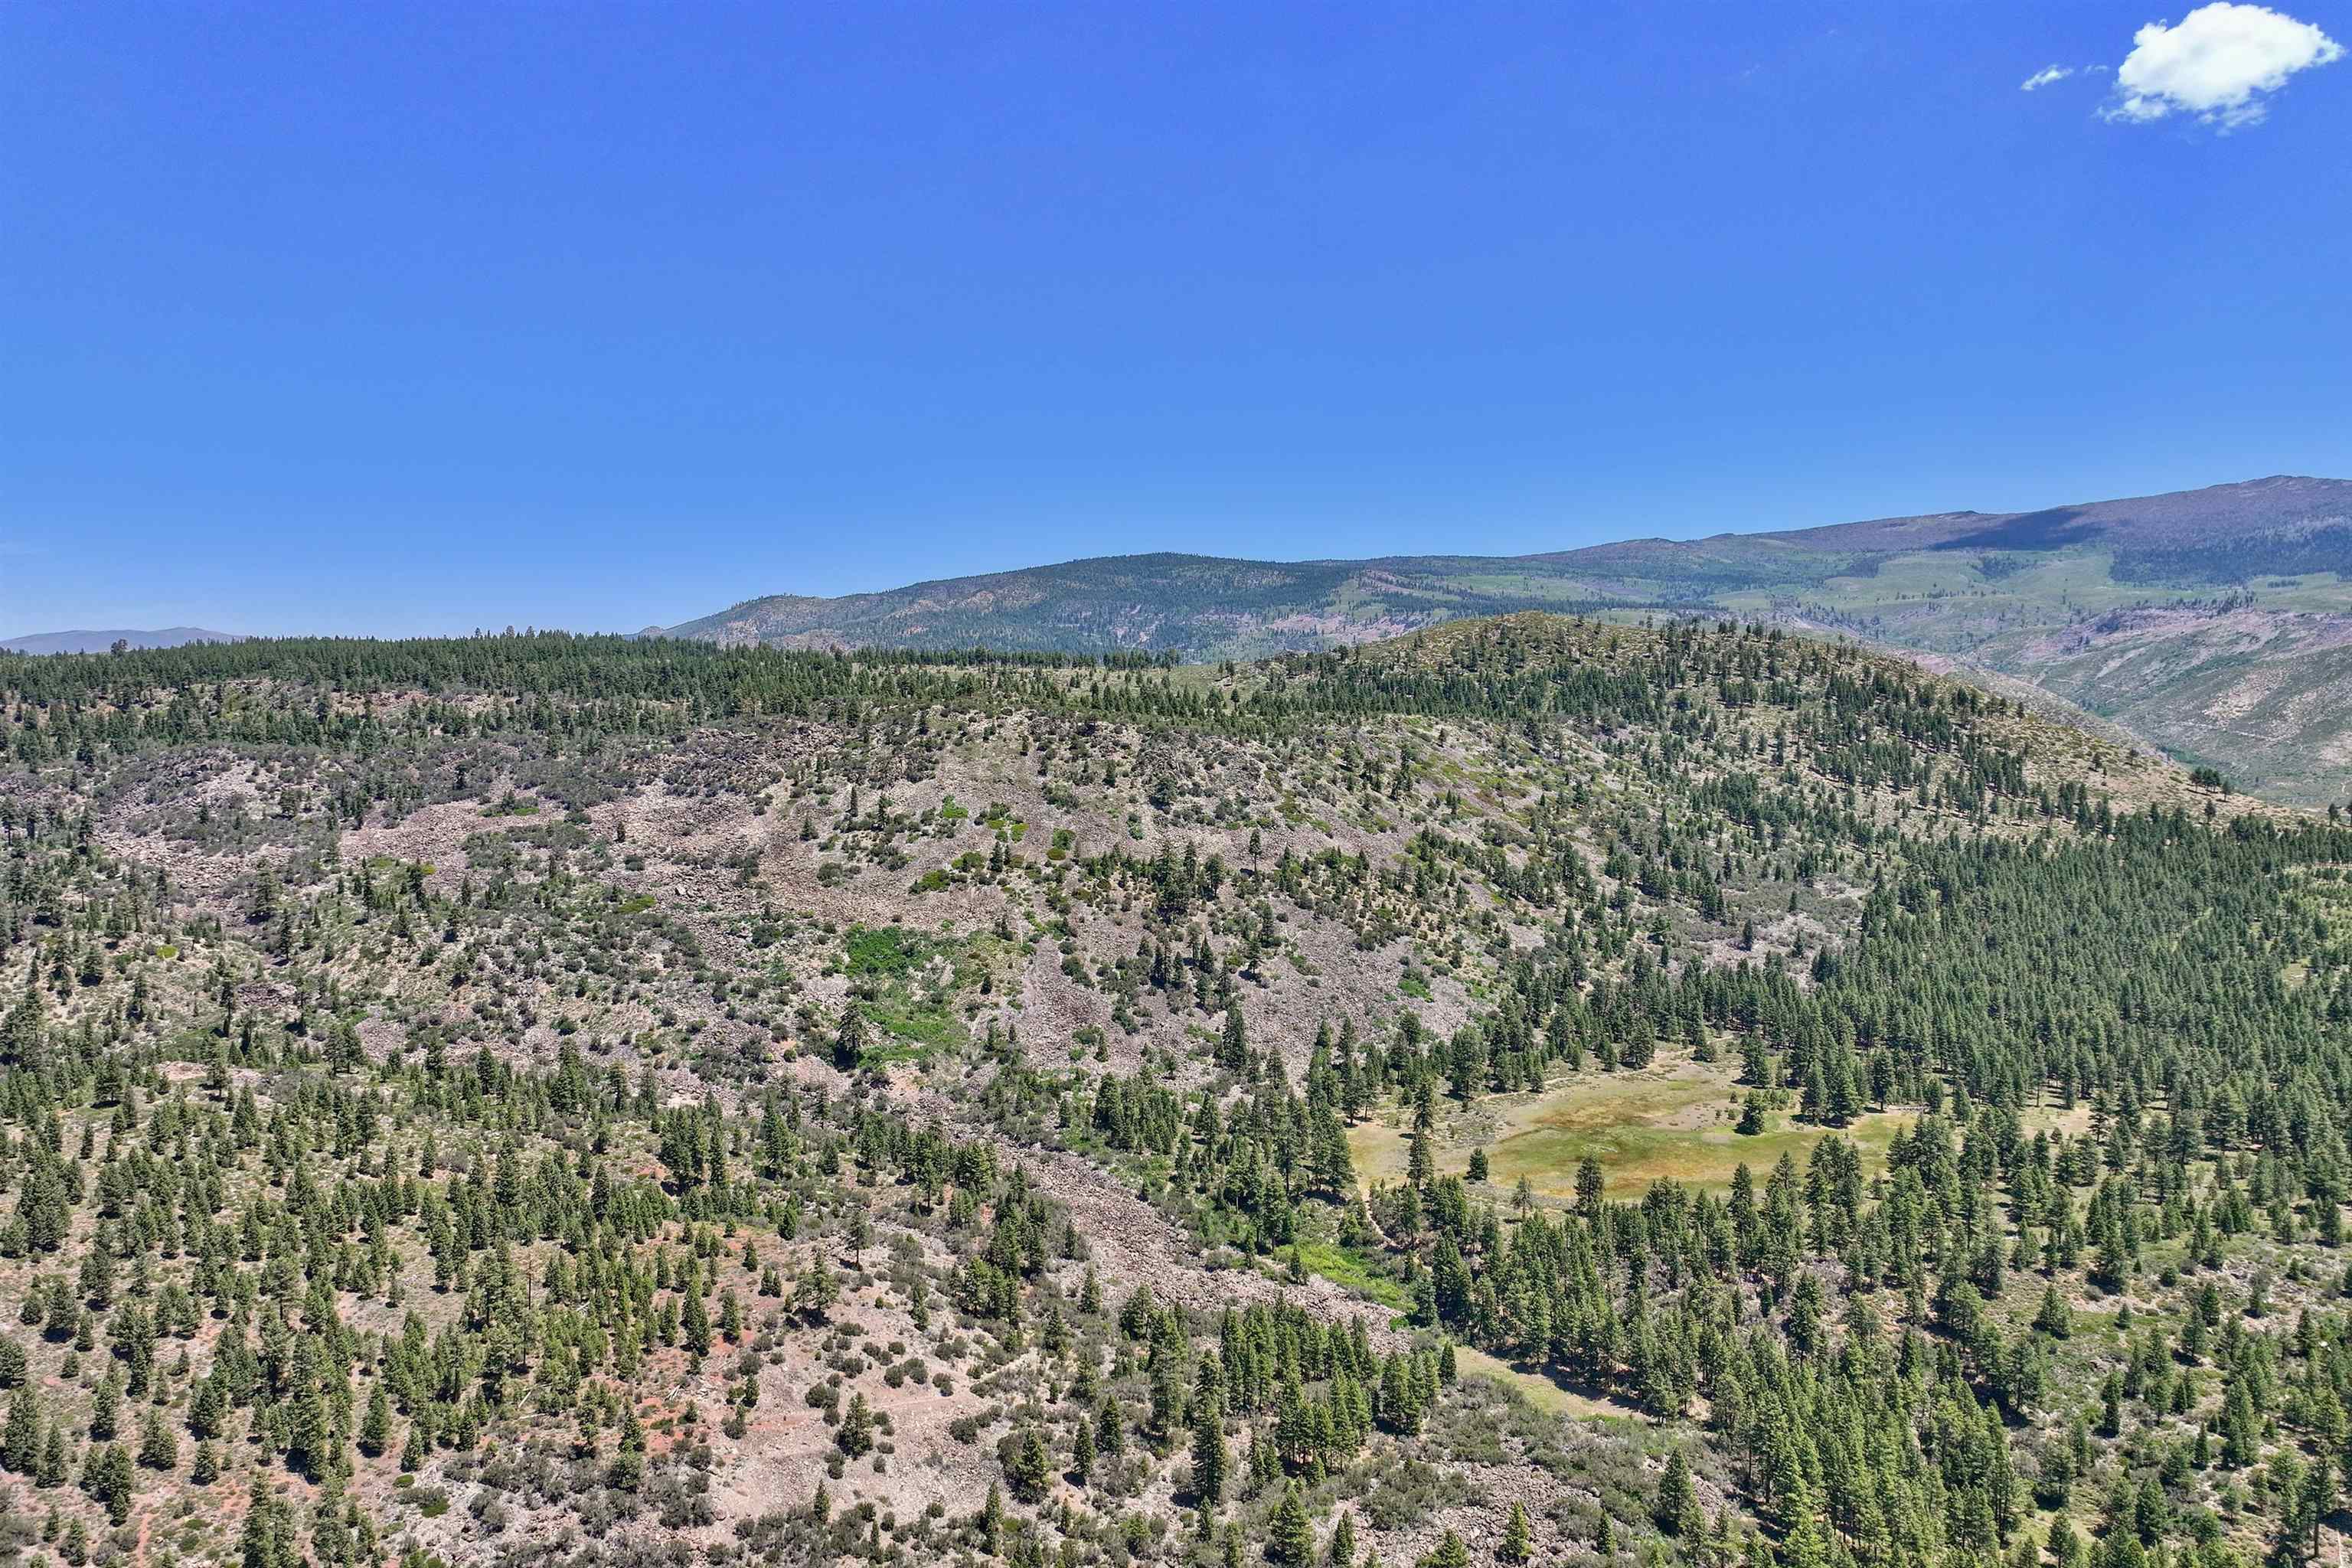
(2213,624)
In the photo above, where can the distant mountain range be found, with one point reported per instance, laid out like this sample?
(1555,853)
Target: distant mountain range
(2215,623)
(101,641)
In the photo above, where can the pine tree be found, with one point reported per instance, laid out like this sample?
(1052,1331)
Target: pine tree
(990,1522)
(1211,1462)
(55,1459)
(159,1448)
(375,1426)
(694,1323)
(108,1476)
(1233,1046)
(1677,1502)
(267,1541)
(815,1290)
(855,1435)
(2305,1500)
(1450,1553)
(849,1039)
(1518,1544)
(1290,1536)
(20,1440)
(1028,1467)
(207,1407)
(1342,1553)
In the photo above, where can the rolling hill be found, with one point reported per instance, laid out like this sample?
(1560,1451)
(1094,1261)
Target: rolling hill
(2213,624)
(84,641)
(1538,1090)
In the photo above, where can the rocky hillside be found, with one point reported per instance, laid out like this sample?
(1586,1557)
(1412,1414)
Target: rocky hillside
(1536,1090)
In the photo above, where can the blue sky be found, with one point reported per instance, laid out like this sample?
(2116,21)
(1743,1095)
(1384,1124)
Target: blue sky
(414,318)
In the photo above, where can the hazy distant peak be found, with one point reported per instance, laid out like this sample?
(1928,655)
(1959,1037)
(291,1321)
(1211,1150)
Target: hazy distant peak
(90,641)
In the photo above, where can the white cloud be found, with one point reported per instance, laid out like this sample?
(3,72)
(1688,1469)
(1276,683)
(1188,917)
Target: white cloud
(2217,64)
(2047,75)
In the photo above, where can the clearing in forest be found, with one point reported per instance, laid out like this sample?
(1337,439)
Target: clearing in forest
(1672,1120)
